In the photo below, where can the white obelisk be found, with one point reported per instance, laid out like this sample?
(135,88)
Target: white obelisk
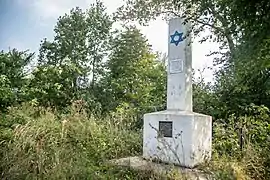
(179,87)
(178,135)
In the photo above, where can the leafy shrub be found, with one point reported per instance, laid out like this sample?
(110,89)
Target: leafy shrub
(43,144)
(245,139)
(72,146)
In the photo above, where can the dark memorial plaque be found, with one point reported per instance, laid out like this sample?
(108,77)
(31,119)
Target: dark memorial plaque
(165,128)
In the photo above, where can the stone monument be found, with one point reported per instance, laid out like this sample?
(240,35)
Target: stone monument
(178,135)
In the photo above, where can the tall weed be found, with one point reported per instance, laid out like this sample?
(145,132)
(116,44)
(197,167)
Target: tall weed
(70,147)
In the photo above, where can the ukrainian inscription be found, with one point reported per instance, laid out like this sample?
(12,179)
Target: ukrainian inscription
(165,128)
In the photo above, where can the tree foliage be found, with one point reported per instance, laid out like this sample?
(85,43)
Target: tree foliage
(67,63)
(134,73)
(116,75)
(13,67)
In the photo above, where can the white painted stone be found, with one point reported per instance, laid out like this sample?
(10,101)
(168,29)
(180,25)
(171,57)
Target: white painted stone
(179,84)
(191,139)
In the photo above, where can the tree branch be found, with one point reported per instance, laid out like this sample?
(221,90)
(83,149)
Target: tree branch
(226,32)
(194,19)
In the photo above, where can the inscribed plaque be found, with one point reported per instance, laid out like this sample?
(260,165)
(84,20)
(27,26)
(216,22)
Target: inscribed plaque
(165,128)
(176,66)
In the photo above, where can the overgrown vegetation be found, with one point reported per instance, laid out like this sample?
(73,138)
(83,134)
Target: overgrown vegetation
(48,146)
(82,104)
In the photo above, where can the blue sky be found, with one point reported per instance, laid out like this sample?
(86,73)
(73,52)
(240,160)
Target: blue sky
(18,28)
(12,18)
(24,23)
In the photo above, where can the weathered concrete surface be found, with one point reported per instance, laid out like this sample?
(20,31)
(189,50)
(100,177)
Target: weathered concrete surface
(190,143)
(138,163)
(179,84)
(187,136)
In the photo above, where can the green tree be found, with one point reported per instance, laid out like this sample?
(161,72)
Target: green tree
(66,64)
(13,68)
(230,23)
(250,84)
(135,76)
(203,15)
(241,28)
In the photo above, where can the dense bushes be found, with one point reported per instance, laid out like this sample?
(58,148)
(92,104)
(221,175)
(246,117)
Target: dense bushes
(114,78)
(13,68)
(44,144)
(245,139)
(59,147)
(242,131)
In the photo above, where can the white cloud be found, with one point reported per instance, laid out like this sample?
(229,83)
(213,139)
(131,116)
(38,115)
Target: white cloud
(46,12)
(54,8)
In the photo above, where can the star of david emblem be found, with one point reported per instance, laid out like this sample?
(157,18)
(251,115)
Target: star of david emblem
(176,38)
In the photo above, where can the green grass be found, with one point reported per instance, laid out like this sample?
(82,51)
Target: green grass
(49,145)
(73,146)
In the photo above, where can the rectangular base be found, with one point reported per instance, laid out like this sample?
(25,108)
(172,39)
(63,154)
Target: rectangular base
(178,137)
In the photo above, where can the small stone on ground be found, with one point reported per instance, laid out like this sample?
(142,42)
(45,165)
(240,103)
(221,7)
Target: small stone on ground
(138,163)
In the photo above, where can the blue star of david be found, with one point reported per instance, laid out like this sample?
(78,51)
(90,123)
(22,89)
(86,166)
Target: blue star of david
(176,38)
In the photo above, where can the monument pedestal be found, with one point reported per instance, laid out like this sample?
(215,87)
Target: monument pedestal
(179,137)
